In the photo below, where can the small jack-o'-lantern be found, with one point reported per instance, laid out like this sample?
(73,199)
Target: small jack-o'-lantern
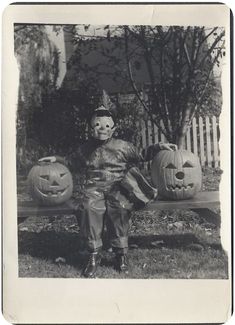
(176,174)
(50,183)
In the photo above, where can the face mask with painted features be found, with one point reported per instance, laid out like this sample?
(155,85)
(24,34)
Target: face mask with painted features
(102,127)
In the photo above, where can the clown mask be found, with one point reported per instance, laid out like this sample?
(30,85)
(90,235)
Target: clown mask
(102,127)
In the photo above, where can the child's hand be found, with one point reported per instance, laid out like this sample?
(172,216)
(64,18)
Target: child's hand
(48,159)
(168,146)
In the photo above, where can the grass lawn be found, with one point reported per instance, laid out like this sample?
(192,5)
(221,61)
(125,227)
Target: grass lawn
(163,244)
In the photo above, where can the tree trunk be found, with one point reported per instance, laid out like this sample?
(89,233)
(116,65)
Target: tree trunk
(180,141)
(185,123)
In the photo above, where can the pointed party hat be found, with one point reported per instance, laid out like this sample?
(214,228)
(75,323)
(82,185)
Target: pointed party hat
(105,102)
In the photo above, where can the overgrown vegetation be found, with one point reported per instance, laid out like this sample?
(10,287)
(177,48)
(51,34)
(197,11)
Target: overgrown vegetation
(168,70)
(38,66)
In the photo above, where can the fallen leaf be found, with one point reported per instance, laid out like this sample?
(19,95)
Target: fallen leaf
(157,243)
(133,246)
(195,247)
(60,260)
(24,229)
(71,226)
(178,224)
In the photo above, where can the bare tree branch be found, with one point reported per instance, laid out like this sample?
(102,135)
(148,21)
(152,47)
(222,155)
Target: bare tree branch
(216,41)
(208,35)
(157,121)
(162,81)
(157,103)
(200,100)
(187,56)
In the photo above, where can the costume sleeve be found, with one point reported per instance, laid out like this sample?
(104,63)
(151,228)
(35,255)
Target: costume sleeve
(75,162)
(151,151)
(147,154)
(62,160)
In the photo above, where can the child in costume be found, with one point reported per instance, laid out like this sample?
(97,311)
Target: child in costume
(113,187)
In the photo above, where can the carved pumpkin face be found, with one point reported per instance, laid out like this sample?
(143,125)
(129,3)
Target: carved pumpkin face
(50,183)
(176,174)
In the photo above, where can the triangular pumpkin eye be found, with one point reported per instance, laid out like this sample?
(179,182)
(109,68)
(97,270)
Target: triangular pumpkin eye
(46,177)
(171,166)
(188,164)
(62,175)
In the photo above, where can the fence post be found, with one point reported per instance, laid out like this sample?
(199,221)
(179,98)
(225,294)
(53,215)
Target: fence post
(198,139)
(188,139)
(143,133)
(162,136)
(215,141)
(201,140)
(208,142)
(194,126)
(150,132)
(155,128)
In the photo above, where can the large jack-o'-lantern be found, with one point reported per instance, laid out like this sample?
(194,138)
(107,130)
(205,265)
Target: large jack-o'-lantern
(176,174)
(50,183)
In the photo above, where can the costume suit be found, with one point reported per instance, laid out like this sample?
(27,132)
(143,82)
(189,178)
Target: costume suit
(108,195)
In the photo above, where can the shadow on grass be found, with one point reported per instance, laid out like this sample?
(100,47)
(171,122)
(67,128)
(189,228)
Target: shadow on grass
(51,245)
(183,241)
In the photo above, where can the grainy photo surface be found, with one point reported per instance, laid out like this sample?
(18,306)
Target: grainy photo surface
(118,151)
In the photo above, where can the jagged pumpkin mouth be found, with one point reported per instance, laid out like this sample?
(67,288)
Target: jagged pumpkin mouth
(53,192)
(180,187)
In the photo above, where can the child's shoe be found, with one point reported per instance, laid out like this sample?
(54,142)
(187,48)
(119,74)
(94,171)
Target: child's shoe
(122,263)
(92,265)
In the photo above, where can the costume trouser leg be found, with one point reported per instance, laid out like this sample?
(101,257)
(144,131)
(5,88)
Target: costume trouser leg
(91,212)
(117,219)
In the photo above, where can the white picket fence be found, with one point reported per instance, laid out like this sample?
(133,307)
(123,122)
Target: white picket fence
(202,139)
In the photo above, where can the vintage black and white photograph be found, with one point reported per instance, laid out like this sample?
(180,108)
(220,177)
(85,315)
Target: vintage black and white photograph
(118,155)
